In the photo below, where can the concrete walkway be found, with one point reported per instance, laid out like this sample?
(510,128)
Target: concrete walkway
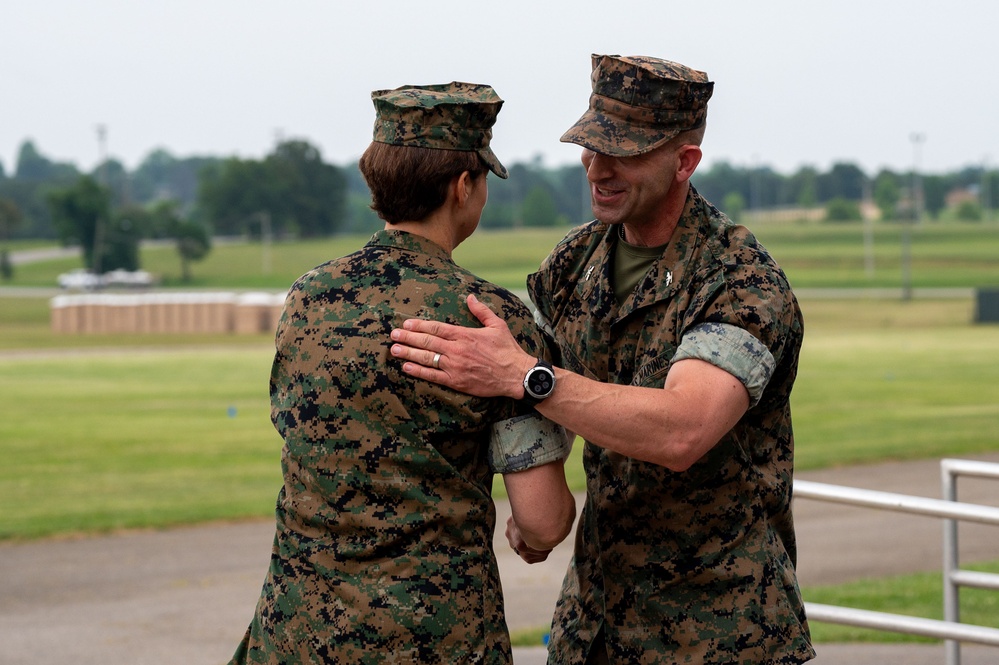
(185,595)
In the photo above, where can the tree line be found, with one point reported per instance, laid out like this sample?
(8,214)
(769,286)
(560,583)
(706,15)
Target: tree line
(293,193)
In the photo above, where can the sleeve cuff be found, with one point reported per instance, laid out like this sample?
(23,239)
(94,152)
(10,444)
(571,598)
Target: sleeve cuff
(525,442)
(732,349)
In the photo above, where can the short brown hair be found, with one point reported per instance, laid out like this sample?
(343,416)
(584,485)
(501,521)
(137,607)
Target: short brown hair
(408,183)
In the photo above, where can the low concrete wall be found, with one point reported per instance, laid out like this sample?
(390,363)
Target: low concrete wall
(170,313)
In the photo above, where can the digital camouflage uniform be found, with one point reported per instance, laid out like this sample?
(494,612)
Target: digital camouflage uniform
(698,566)
(669,567)
(383,551)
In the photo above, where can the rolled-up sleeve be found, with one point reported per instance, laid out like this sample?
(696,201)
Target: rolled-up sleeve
(525,442)
(732,349)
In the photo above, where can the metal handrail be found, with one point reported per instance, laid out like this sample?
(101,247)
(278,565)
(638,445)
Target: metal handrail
(900,623)
(903,503)
(952,511)
(953,576)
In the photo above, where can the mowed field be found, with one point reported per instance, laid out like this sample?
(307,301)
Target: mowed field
(106,432)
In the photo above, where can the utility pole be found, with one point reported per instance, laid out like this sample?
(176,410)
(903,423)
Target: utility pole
(985,197)
(917,215)
(868,229)
(102,134)
(266,239)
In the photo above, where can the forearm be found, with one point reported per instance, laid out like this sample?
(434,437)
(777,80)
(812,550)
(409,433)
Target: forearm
(673,426)
(541,504)
(629,420)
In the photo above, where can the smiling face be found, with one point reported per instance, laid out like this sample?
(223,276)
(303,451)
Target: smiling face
(641,191)
(630,190)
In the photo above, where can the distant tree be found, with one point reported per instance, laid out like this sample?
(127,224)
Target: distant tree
(194,242)
(360,217)
(161,176)
(935,194)
(312,194)
(764,188)
(720,180)
(498,215)
(803,186)
(149,180)
(510,194)
(120,243)
(6,265)
(29,197)
(989,194)
(300,193)
(27,185)
(843,180)
(733,205)
(538,208)
(886,194)
(840,209)
(77,213)
(968,211)
(82,213)
(33,166)
(232,192)
(571,191)
(113,175)
(10,218)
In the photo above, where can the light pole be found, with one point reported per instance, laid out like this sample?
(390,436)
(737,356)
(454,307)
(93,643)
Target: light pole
(917,215)
(868,229)
(985,196)
(102,136)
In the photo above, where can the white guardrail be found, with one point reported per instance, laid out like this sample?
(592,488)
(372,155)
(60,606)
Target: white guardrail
(952,511)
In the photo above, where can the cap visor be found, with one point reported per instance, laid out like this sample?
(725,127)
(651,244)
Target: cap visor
(601,133)
(493,163)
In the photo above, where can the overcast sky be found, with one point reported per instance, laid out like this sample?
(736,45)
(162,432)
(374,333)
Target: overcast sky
(796,82)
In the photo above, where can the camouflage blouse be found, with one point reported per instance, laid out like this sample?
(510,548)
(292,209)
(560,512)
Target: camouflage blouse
(383,550)
(698,566)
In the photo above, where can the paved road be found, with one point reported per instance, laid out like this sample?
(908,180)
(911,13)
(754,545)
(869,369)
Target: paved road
(185,595)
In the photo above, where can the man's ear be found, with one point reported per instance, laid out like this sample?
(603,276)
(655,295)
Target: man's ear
(689,156)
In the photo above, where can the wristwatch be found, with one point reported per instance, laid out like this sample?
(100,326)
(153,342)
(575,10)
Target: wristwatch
(539,382)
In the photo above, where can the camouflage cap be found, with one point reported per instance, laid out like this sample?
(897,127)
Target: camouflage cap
(449,116)
(639,103)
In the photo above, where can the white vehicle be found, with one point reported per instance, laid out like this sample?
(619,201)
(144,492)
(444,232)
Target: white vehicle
(84,280)
(80,280)
(130,278)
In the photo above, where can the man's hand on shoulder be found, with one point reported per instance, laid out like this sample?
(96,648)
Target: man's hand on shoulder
(485,362)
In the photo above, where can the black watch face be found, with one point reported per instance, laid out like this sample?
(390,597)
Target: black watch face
(540,382)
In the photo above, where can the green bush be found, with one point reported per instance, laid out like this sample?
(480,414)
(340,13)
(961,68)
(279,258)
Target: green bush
(842,210)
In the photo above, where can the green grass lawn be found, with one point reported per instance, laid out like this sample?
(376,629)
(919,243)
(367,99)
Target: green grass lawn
(834,255)
(814,255)
(97,440)
(917,595)
(116,431)
(884,380)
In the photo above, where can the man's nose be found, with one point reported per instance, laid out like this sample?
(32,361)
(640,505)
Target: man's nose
(598,166)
